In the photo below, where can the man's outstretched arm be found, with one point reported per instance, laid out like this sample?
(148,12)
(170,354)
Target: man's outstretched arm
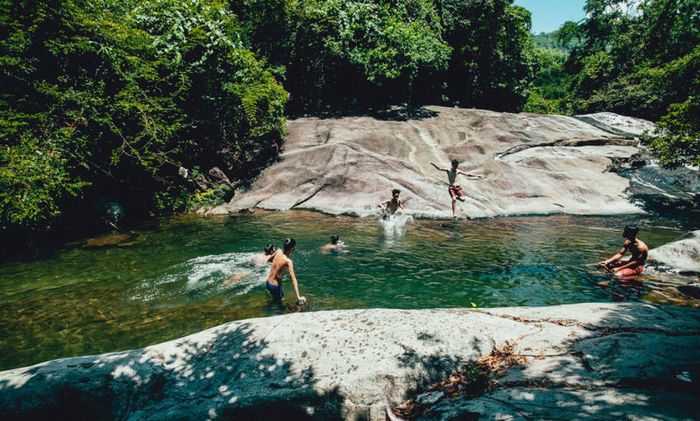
(616,256)
(474,176)
(437,168)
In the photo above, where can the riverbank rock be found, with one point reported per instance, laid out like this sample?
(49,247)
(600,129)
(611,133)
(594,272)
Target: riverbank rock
(602,360)
(682,255)
(529,163)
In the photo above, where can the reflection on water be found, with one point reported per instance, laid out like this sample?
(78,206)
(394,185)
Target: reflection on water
(188,273)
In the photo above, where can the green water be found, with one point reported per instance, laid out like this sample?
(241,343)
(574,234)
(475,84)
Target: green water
(168,281)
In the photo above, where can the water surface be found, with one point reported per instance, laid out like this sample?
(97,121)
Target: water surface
(168,281)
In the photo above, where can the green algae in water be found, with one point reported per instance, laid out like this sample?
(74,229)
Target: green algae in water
(170,280)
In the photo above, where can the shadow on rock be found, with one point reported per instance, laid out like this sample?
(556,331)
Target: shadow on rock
(225,374)
(639,361)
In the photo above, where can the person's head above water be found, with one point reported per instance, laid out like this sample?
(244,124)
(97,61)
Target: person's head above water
(335,239)
(630,233)
(395,193)
(289,245)
(269,249)
(455,163)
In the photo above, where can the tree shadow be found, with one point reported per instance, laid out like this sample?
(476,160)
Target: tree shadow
(599,361)
(393,113)
(636,361)
(223,373)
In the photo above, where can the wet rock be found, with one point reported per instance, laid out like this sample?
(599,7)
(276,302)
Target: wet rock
(117,239)
(530,164)
(682,255)
(599,360)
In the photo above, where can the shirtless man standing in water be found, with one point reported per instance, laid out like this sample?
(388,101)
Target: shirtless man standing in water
(455,190)
(281,263)
(638,250)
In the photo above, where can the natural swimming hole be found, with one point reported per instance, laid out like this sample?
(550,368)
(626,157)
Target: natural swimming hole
(169,279)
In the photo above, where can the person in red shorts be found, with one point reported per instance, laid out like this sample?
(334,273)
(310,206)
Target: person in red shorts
(455,190)
(638,250)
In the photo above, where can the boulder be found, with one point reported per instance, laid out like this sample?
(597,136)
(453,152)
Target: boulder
(682,255)
(529,163)
(598,360)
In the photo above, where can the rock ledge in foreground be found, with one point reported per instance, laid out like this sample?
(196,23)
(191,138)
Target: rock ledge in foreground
(595,360)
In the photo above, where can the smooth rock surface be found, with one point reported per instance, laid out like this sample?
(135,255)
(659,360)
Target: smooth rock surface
(682,255)
(596,360)
(531,164)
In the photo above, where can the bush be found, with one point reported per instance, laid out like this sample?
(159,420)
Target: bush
(107,99)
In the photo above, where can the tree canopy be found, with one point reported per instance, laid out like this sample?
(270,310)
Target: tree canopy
(136,101)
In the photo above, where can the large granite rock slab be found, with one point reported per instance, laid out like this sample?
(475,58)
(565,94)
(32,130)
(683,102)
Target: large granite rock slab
(530,163)
(600,360)
(682,255)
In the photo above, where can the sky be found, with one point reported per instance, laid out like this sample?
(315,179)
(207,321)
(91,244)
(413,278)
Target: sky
(548,15)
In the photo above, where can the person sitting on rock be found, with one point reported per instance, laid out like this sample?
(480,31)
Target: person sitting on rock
(336,246)
(281,263)
(455,190)
(266,257)
(638,250)
(392,205)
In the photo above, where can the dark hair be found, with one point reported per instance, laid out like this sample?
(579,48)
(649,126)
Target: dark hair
(334,239)
(269,249)
(455,163)
(395,192)
(630,233)
(289,244)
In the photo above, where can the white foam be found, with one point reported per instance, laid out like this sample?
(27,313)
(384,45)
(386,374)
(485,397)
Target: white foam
(395,225)
(204,274)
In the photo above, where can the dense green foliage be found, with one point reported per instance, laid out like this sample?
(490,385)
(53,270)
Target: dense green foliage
(104,101)
(109,101)
(637,58)
(644,64)
(363,53)
(135,101)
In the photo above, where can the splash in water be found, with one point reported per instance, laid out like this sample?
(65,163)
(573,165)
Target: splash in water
(205,275)
(394,225)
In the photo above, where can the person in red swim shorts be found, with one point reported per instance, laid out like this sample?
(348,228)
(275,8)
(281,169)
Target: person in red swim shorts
(455,190)
(638,250)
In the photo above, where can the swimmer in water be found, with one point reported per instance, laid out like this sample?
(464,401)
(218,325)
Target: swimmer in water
(635,264)
(261,259)
(336,246)
(455,190)
(265,257)
(281,263)
(390,207)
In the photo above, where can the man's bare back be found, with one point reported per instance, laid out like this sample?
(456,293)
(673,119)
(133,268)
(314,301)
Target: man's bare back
(281,264)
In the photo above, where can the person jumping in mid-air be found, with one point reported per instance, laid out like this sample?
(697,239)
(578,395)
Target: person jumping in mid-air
(455,190)
(391,206)
(282,263)
(638,250)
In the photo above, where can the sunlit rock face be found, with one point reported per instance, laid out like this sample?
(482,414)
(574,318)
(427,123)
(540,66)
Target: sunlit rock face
(682,255)
(355,364)
(530,164)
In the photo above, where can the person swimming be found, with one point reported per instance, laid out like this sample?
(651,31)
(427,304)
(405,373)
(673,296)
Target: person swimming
(391,206)
(638,250)
(266,257)
(281,263)
(455,190)
(336,246)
